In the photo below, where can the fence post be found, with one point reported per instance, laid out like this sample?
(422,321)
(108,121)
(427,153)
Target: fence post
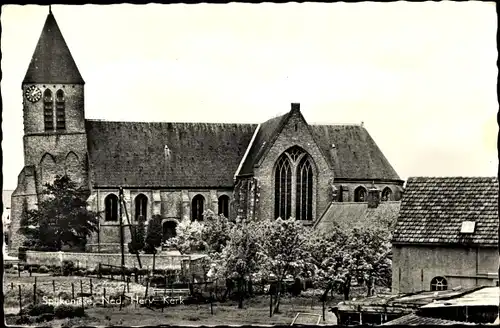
(81,294)
(29,270)
(72,290)
(91,294)
(34,294)
(122,297)
(104,297)
(99,273)
(324,309)
(128,284)
(11,285)
(53,286)
(20,300)
(18,270)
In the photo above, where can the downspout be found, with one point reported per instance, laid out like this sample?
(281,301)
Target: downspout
(246,152)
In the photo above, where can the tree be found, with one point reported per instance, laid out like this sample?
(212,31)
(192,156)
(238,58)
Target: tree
(188,238)
(238,260)
(283,249)
(154,235)
(62,217)
(360,253)
(138,237)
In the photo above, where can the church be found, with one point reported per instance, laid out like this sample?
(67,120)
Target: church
(283,167)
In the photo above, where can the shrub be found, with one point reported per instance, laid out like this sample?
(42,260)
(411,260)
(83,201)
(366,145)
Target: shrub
(68,311)
(39,309)
(45,317)
(24,320)
(43,269)
(68,267)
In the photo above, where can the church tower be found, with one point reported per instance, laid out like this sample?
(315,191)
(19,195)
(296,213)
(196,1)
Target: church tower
(55,141)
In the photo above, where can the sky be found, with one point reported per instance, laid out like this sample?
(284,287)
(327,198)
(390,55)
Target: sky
(421,76)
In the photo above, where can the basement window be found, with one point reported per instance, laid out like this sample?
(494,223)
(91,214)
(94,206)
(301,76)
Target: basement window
(468,227)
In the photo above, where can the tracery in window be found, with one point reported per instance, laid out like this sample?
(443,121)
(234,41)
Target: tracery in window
(48,110)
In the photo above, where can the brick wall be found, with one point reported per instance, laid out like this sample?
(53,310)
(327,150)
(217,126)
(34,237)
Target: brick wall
(294,133)
(92,260)
(413,267)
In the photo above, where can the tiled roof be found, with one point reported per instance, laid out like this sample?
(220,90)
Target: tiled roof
(414,319)
(134,154)
(357,154)
(433,209)
(352,215)
(267,132)
(52,61)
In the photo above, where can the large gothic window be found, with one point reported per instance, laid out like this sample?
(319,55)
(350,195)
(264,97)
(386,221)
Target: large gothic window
(294,180)
(48,110)
(224,205)
(111,207)
(283,188)
(197,208)
(60,110)
(304,190)
(141,207)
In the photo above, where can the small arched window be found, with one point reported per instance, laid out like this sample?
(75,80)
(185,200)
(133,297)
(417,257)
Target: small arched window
(197,208)
(141,207)
(111,207)
(283,188)
(48,110)
(224,205)
(60,110)
(439,283)
(360,194)
(386,194)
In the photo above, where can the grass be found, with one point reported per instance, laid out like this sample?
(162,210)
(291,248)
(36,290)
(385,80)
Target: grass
(255,311)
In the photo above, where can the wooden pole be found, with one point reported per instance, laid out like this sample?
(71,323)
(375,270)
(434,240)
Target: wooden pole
(20,300)
(81,293)
(18,270)
(53,286)
(122,237)
(131,232)
(128,284)
(104,297)
(34,294)
(73,290)
(324,309)
(91,294)
(211,303)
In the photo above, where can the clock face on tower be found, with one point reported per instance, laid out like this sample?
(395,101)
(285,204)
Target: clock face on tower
(33,93)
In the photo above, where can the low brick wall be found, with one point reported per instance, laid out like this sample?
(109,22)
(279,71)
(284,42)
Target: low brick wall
(92,260)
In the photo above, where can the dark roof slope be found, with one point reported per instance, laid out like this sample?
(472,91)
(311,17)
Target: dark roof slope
(357,155)
(433,209)
(266,134)
(350,215)
(52,61)
(134,154)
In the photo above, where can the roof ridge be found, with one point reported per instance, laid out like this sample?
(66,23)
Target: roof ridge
(165,122)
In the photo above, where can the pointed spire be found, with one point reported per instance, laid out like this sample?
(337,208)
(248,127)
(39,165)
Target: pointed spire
(52,61)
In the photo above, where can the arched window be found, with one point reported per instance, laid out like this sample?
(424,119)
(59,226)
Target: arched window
(283,188)
(48,110)
(386,194)
(360,194)
(294,180)
(111,207)
(141,207)
(439,283)
(197,208)
(60,110)
(49,169)
(224,205)
(304,200)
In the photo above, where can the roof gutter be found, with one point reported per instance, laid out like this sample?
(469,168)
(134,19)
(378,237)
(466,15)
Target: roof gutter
(246,152)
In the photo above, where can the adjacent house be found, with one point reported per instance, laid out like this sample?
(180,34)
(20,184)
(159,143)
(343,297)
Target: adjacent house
(446,234)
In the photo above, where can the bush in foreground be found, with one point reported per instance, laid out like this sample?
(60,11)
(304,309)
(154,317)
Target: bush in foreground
(67,311)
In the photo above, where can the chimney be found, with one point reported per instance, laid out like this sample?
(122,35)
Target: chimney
(373,197)
(296,107)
